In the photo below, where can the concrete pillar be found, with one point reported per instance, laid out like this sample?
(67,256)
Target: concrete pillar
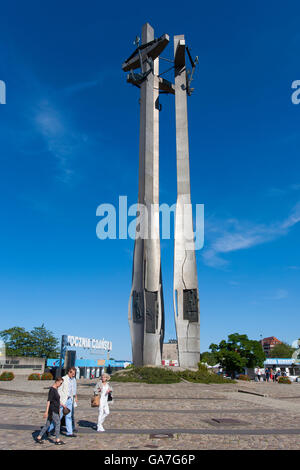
(146,311)
(186,295)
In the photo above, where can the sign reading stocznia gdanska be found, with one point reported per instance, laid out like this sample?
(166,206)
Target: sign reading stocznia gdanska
(68,341)
(88,343)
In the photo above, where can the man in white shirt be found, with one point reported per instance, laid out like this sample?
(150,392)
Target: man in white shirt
(68,396)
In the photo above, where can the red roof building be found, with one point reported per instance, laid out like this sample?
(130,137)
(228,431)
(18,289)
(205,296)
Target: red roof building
(269,343)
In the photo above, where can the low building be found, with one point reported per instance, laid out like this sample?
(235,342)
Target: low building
(269,343)
(289,365)
(22,365)
(88,368)
(170,353)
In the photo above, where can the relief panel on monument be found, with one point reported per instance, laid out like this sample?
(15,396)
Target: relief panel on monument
(137,306)
(151,311)
(190,305)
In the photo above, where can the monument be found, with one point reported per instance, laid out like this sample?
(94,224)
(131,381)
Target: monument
(146,305)
(186,297)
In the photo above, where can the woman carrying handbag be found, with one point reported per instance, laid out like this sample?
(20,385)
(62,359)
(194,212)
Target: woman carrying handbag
(103,389)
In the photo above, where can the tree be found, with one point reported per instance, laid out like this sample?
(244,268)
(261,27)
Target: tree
(17,341)
(38,342)
(209,358)
(237,353)
(282,350)
(44,342)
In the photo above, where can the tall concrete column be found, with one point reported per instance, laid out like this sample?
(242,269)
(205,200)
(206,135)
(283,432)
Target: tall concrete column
(186,295)
(146,311)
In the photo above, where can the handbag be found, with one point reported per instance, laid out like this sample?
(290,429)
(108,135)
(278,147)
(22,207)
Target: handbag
(66,411)
(95,401)
(109,397)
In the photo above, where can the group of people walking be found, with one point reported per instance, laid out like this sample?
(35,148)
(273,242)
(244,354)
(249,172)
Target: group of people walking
(268,374)
(62,399)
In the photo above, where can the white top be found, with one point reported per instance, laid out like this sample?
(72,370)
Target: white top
(71,390)
(104,395)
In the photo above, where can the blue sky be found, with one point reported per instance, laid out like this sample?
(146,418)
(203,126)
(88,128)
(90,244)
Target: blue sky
(69,142)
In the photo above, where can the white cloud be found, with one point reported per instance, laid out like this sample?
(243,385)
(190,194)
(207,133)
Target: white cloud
(294,217)
(278,295)
(232,235)
(60,140)
(282,191)
(80,86)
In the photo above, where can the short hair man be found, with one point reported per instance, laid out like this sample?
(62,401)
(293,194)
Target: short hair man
(68,396)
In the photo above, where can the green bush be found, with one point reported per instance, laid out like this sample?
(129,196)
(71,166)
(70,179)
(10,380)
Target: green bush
(203,377)
(131,377)
(149,375)
(7,376)
(46,376)
(244,377)
(157,375)
(202,367)
(34,376)
(284,380)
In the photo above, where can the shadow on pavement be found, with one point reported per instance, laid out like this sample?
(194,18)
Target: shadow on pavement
(86,424)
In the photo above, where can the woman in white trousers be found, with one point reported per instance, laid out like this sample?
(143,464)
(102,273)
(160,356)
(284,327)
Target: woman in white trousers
(103,388)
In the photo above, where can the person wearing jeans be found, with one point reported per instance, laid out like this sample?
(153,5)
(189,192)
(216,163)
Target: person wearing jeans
(52,413)
(68,393)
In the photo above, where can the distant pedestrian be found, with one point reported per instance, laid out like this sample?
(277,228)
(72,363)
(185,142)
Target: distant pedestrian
(262,373)
(258,374)
(274,375)
(52,413)
(267,375)
(103,388)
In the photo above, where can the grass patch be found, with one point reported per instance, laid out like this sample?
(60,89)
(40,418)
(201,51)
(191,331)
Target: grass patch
(149,375)
(202,377)
(158,375)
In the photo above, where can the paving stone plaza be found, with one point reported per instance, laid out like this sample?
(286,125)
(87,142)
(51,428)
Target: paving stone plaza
(182,416)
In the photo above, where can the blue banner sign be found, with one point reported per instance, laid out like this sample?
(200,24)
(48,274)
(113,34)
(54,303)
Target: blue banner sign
(279,362)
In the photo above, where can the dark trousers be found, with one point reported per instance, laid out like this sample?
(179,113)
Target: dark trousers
(55,420)
(73,417)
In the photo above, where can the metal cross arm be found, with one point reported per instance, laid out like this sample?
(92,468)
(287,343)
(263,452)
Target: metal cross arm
(165,86)
(179,58)
(180,64)
(190,74)
(150,50)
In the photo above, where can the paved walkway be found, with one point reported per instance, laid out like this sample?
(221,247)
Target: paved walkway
(181,416)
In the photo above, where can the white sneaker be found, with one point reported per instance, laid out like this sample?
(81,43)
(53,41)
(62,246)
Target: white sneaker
(100,429)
